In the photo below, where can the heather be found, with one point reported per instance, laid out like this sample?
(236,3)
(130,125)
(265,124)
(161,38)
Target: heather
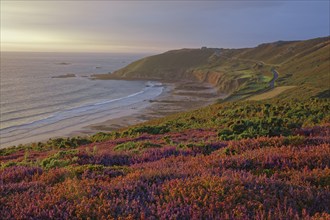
(244,160)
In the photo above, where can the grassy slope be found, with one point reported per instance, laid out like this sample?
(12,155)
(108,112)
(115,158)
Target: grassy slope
(305,64)
(271,94)
(243,71)
(171,65)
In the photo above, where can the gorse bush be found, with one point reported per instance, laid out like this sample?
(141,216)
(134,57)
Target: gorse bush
(129,146)
(67,143)
(60,159)
(126,146)
(149,130)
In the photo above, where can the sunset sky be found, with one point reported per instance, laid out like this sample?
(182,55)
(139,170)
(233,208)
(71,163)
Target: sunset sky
(146,26)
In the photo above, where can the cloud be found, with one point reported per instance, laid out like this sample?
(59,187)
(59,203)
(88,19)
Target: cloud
(159,24)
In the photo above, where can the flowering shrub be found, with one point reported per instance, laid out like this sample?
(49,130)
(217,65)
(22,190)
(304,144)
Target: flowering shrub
(17,174)
(180,170)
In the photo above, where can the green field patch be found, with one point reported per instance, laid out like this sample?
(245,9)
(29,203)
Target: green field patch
(251,88)
(246,73)
(271,94)
(136,146)
(265,79)
(60,159)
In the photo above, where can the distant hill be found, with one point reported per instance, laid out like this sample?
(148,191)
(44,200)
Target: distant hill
(173,64)
(305,64)
(242,72)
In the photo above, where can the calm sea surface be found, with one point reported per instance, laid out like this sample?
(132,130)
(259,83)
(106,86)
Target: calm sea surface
(32,98)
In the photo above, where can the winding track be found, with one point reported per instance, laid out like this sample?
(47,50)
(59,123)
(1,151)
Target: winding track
(275,76)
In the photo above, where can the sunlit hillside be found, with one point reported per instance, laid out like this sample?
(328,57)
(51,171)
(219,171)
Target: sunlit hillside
(242,71)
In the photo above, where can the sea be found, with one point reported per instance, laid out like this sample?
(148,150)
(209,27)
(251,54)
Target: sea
(37,96)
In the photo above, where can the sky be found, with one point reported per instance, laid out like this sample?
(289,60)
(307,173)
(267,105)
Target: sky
(157,26)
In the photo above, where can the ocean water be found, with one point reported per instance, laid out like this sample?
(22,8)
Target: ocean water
(34,100)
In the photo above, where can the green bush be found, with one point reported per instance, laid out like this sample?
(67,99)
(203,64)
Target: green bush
(60,159)
(50,163)
(129,146)
(161,129)
(126,146)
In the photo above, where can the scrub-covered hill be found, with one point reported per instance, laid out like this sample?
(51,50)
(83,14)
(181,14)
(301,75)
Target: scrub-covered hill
(242,72)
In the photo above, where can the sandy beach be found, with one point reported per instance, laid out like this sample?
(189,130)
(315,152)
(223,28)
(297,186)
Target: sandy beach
(176,97)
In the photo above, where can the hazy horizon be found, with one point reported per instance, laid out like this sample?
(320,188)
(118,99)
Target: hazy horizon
(149,27)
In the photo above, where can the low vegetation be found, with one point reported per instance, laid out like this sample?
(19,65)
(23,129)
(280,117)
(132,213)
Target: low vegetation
(240,160)
(272,93)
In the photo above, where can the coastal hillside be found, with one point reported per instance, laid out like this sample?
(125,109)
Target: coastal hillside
(171,65)
(239,160)
(242,72)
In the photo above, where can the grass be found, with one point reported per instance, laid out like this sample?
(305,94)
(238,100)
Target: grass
(271,94)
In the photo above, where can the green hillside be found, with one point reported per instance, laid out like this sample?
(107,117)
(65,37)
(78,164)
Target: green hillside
(243,72)
(169,65)
(305,64)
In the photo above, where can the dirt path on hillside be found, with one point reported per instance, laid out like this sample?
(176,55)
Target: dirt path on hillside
(275,76)
(270,92)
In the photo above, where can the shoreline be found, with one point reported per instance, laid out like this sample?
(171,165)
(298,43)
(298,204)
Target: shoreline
(176,97)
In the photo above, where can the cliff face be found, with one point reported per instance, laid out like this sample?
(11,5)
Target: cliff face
(219,80)
(232,70)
